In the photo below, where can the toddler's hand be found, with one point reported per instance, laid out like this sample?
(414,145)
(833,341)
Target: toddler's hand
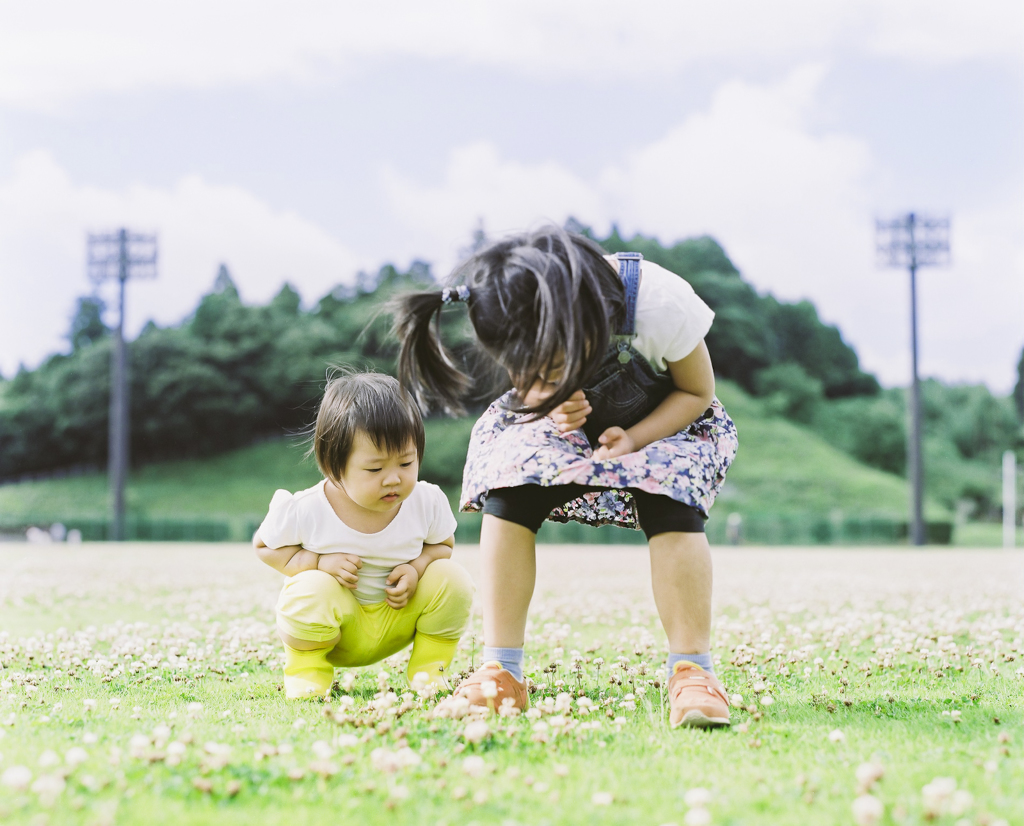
(572,413)
(343,567)
(614,442)
(403,581)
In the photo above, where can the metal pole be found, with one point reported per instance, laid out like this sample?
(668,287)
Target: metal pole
(1009,499)
(118,448)
(915,465)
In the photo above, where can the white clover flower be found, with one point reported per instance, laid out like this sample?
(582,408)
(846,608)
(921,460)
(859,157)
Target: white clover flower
(323,750)
(474,766)
(961,801)
(697,798)
(602,798)
(767,700)
(90,738)
(48,759)
(867,810)
(736,699)
(935,795)
(508,708)
(115,702)
(49,787)
(836,736)
(75,756)
(868,774)
(346,741)
(17,778)
(698,816)
(489,688)
(476,731)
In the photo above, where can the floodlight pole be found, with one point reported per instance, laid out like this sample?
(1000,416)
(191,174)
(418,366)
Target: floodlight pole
(915,469)
(120,421)
(913,241)
(111,256)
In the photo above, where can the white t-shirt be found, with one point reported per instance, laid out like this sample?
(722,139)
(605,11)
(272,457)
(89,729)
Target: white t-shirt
(671,319)
(306,518)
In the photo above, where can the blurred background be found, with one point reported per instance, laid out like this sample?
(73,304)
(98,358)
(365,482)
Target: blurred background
(300,163)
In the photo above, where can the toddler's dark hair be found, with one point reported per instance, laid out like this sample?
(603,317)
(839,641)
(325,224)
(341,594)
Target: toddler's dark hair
(369,402)
(538,301)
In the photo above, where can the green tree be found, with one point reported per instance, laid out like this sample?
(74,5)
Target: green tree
(87,324)
(1018,391)
(789,391)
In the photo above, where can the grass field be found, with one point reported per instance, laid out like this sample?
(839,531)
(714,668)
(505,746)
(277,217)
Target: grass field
(140,684)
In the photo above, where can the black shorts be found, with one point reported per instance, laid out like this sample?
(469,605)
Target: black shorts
(529,506)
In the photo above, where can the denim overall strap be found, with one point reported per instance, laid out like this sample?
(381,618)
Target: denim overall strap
(629,272)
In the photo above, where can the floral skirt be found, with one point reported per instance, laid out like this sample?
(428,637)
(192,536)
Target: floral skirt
(690,466)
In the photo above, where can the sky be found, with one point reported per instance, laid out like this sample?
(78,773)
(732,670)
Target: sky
(303,142)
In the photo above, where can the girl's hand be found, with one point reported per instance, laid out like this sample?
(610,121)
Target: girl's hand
(403,581)
(614,442)
(572,413)
(343,567)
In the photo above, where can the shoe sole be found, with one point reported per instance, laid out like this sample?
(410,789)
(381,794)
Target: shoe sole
(697,719)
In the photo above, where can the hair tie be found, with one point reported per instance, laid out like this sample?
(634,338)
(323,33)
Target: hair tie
(450,294)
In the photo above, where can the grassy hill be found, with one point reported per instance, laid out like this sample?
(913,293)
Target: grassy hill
(785,481)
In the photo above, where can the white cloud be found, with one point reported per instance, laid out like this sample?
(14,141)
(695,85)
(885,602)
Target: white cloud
(480,184)
(44,218)
(55,53)
(793,208)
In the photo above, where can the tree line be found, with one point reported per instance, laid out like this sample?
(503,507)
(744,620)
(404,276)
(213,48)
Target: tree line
(232,373)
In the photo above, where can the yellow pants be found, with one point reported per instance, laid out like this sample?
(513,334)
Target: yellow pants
(315,607)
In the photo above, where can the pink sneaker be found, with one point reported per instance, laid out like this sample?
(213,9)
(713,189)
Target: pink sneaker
(696,698)
(475,688)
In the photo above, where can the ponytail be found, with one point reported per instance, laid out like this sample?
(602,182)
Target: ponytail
(425,367)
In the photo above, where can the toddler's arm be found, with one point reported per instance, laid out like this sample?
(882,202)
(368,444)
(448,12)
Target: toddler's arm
(694,379)
(288,559)
(292,559)
(402,581)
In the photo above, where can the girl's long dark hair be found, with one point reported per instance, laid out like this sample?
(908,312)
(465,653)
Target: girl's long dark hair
(539,302)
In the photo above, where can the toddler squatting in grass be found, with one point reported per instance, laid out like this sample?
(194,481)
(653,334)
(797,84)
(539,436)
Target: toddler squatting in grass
(367,551)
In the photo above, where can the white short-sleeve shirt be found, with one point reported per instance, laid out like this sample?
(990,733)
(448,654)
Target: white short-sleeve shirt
(671,319)
(306,518)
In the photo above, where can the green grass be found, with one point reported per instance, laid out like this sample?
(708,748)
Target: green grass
(159,629)
(984,535)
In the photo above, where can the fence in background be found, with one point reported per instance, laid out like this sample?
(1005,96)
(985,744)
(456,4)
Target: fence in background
(722,529)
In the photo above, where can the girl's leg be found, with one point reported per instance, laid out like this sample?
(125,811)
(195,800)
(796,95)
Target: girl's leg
(508,561)
(508,574)
(681,580)
(311,610)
